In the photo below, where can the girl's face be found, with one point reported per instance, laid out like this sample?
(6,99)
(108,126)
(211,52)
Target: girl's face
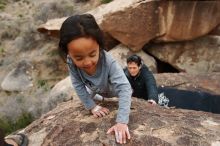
(133,68)
(85,53)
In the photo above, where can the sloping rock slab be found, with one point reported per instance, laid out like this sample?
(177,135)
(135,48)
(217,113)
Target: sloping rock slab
(69,124)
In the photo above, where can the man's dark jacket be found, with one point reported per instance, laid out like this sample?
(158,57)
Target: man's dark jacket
(143,84)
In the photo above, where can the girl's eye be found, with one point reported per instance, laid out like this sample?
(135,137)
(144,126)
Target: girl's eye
(92,55)
(78,59)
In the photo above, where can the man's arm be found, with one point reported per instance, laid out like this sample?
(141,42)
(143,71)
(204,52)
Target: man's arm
(150,84)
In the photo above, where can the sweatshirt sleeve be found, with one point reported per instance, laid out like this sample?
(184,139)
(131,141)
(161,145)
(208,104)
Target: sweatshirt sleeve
(80,89)
(150,84)
(123,90)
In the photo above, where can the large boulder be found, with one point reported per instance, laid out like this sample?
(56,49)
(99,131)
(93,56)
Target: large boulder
(19,79)
(71,124)
(121,53)
(136,22)
(216,31)
(52,26)
(61,92)
(196,56)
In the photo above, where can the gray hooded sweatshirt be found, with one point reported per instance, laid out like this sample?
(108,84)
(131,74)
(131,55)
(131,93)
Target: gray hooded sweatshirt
(108,81)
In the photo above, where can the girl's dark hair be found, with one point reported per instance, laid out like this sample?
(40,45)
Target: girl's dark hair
(135,58)
(79,26)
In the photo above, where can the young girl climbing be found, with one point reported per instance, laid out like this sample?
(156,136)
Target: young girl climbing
(94,73)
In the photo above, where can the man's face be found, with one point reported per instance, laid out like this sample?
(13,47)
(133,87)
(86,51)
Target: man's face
(133,68)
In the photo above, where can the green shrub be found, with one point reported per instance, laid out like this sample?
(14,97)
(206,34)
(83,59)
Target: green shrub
(2,4)
(6,126)
(53,53)
(22,121)
(105,1)
(43,84)
(2,50)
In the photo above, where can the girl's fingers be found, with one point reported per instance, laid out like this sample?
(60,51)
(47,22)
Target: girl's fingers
(127,133)
(120,134)
(124,137)
(110,130)
(96,116)
(105,110)
(102,113)
(99,111)
(120,137)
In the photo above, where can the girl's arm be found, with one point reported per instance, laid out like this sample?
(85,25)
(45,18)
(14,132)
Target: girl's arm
(80,89)
(123,89)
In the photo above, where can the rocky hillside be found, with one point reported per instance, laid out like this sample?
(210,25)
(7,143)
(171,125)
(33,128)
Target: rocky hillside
(29,62)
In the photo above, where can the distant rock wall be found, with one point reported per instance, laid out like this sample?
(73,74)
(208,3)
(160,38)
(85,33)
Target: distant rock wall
(136,23)
(197,56)
(139,22)
(121,53)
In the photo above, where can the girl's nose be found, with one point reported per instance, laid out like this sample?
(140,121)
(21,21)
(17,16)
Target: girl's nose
(87,62)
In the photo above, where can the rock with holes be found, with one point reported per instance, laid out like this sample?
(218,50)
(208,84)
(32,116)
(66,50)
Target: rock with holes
(121,53)
(195,56)
(19,79)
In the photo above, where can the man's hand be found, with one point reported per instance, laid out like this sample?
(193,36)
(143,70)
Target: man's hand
(152,102)
(99,111)
(121,132)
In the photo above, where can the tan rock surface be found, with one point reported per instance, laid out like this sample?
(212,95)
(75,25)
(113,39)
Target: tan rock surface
(70,124)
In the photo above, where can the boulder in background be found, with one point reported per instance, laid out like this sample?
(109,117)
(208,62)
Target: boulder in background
(121,53)
(197,56)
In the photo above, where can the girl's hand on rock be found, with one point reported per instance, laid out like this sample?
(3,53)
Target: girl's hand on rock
(121,132)
(99,111)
